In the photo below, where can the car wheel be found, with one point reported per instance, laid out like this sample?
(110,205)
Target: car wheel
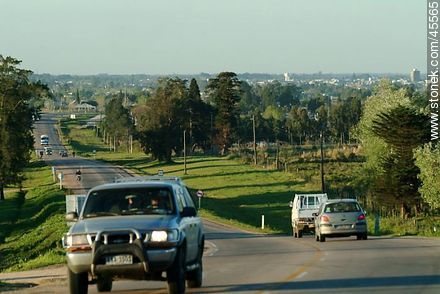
(176,274)
(104,284)
(365,236)
(194,278)
(300,233)
(359,237)
(321,238)
(78,283)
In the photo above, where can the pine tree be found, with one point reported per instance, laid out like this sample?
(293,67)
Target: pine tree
(225,93)
(403,130)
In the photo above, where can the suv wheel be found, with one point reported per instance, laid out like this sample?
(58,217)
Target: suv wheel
(104,284)
(78,283)
(176,274)
(194,278)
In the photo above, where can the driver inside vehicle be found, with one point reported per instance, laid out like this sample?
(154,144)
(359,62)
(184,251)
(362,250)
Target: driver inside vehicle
(132,202)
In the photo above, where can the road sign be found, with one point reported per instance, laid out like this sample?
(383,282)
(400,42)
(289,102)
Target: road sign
(200,193)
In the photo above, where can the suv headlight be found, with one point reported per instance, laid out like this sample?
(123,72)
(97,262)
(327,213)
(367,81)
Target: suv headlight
(164,236)
(75,240)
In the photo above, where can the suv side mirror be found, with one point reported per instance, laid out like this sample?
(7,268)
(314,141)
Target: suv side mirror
(72,216)
(291,204)
(188,212)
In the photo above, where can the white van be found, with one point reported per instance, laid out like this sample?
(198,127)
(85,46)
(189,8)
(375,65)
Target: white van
(44,140)
(303,206)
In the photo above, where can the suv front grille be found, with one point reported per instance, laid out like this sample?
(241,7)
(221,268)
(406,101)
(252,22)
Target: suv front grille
(119,238)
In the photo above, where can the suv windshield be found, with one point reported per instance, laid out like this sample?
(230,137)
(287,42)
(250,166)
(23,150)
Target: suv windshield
(130,201)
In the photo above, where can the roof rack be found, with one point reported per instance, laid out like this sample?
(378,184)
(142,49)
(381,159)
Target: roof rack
(148,179)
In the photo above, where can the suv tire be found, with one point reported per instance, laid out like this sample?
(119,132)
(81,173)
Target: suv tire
(78,283)
(104,284)
(176,274)
(194,278)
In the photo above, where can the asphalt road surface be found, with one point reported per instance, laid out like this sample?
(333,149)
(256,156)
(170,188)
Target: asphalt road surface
(241,262)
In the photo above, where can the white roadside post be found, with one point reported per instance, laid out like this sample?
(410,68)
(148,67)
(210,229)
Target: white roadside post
(200,195)
(262,221)
(53,174)
(61,177)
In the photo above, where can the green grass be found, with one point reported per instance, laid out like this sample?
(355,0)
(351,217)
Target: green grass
(234,193)
(32,222)
(422,226)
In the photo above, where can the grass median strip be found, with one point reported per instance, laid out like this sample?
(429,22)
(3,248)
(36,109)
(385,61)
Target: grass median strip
(32,222)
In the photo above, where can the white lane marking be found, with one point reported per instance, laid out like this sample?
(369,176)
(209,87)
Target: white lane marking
(302,275)
(214,248)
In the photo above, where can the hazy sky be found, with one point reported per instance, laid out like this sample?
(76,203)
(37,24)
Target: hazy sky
(192,36)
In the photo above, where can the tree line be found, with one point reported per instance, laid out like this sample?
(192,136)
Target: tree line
(390,125)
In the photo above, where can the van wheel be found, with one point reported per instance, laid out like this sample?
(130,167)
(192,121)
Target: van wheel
(78,283)
(321,238)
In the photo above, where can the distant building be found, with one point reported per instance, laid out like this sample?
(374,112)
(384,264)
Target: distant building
(287,78)
(414,75)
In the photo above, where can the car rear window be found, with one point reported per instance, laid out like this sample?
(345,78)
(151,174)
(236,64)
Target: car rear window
(342,207)
(129,201)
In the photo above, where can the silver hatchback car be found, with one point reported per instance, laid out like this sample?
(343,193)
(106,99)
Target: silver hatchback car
(340,218)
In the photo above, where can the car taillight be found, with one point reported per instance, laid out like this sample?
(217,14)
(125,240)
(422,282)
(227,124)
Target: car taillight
(324,218)
(361,217)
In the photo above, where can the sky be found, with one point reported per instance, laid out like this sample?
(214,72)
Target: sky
(193,36)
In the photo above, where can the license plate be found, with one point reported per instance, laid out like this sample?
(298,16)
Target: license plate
(119,259)
(343,227)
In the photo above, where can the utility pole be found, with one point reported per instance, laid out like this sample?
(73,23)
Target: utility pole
(255,141)
(184,152)
(322,164)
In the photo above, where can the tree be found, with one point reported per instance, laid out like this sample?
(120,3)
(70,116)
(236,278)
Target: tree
(16,143)
(117,122)
(385,98)
(224,91)
(403,130)
(160,121)
(197,118)
(428,161)
(299,123)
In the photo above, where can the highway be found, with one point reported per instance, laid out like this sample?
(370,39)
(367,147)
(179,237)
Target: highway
(242,262)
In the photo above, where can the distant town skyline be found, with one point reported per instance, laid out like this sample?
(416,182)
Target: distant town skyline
(193,36)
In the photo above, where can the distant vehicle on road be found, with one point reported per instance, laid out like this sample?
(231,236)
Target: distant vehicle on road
(44,140)
(303,206)
(138,228)
(340,218)
(63,153)
(47,150)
